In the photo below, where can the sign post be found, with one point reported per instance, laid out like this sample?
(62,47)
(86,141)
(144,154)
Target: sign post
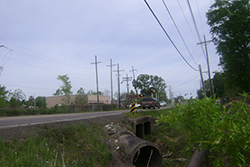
(82,107)
(132,110)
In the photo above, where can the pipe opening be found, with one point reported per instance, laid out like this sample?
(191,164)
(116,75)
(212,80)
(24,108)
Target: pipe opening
(139,131)
(147,128)
(147,156)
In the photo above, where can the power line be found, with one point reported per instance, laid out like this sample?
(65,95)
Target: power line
(168,36)
(178,29)
(21,86)
(179,73)
(39,55)
(186,20)
(185,82)
(49,60)
(200,16)
(39,66)
(195,25)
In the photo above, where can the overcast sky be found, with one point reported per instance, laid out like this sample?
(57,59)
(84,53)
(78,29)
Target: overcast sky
(47,38)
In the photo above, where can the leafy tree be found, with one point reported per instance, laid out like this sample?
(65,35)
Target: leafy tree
(30,101)
(65,88)
(218,82)
(3,96)
(94,93)
(16,98)
(81,97)
(218,86)
(58,92)
(179,99)
(124,99)
(41,102)
(145,83)
(229,21)
(200,94)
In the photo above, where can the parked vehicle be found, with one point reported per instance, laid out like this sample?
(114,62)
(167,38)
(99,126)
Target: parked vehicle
(137,105)
(163,103)
(150,102)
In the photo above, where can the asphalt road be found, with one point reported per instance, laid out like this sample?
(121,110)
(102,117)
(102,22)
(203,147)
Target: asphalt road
(7,122)
(18,121)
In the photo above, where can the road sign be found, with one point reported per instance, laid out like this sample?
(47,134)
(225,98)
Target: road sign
(82,107)
(132,108)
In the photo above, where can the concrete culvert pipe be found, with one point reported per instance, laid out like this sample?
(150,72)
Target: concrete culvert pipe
(142,153)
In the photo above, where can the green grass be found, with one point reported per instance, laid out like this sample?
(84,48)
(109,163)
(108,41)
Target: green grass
(79,145)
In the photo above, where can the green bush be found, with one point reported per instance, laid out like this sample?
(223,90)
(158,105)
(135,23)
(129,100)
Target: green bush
(109,107)
(226,133)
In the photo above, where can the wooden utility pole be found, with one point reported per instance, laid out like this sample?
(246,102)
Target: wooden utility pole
(136,91)
(96,78)
(111,79)
(118,75)
(127,79)
(208,66)
(203,86)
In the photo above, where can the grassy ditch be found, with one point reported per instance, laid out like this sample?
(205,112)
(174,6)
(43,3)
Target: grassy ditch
(79,145)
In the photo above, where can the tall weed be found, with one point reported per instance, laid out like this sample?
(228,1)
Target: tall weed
(226,133)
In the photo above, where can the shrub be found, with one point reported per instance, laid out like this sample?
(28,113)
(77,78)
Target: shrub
(226,133)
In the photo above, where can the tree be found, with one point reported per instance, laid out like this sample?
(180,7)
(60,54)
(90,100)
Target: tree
(58,92)
(179,99)
(41,102)
(145,83)
(31,101)
(81,98)
(218,82)
(229,21)
(94,93)
(3,96)
(65,88)
(16,98)
(200,94)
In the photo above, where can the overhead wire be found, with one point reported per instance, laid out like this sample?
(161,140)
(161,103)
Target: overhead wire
(195,25)
(49,60)
(9,53)
(39,66)
(169,36)
(180,77)
(21,86)
(178,31)
(40,55)
(174,87)
(181,70)
(200,16)
(186,20)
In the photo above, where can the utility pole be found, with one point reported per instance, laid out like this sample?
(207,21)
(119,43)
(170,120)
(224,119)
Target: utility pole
(170,99)
(136,91)
(96,78)
(208,66)
(127,79)
(118,75)
(111,79)
(203,86)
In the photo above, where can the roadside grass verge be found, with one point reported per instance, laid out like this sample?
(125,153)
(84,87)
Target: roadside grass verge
(77,145)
